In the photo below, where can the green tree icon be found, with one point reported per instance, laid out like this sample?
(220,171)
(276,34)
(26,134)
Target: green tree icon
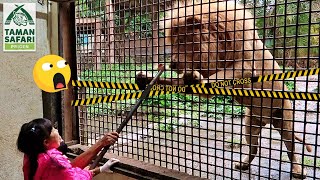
(20,17)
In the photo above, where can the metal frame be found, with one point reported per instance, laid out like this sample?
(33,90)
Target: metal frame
(157,142)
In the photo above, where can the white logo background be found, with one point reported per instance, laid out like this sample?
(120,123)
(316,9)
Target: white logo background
(7,9)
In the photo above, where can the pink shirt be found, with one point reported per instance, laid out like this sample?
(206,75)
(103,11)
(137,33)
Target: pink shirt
(52,165)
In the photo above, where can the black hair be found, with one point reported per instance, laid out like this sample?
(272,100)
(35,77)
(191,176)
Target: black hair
(63,148)
(30,141)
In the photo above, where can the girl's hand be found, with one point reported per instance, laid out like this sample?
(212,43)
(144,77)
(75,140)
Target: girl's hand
(110,138)
(108,164)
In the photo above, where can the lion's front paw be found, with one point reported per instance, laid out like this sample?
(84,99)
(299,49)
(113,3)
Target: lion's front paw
(142,79)
(193,77)
(242,166)
(297,172)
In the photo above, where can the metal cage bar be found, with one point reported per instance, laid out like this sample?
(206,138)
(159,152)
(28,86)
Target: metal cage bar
(208,40)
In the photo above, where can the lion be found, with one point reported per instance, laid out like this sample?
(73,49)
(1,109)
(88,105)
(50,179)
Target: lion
(214,41)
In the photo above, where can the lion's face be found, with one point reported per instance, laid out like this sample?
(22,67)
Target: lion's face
(190,44)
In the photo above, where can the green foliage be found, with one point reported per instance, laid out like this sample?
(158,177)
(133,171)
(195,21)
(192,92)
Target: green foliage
(290,85)
(283,23)
(307,161)
(233,143)
(85,8)
(168,126)
(216,107)
(165,127)
(282,27)
(286,23)
(318,163)
(140,24)
(137,23)
(111,73)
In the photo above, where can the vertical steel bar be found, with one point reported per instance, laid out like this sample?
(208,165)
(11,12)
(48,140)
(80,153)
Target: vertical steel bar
(67,29)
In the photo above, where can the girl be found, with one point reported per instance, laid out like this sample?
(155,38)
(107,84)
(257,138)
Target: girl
(39,141)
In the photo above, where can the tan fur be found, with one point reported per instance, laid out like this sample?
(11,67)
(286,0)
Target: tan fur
(191,52)
(217,42)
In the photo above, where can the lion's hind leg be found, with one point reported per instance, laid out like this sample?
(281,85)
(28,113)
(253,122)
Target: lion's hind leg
(252,131)
(285,128)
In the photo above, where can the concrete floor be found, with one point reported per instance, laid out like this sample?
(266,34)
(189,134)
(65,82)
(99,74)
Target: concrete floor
(189,150)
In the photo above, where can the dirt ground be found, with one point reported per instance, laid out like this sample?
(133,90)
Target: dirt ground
(207,151)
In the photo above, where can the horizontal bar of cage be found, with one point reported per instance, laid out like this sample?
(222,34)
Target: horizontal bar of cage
(206,91)
(223,83)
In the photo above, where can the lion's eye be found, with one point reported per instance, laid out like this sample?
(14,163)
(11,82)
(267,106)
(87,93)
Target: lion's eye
(180,41)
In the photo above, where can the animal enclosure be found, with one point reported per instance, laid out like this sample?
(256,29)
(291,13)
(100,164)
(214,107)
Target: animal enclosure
(205,42)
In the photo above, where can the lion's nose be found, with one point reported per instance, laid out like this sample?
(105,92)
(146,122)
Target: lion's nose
(173,65)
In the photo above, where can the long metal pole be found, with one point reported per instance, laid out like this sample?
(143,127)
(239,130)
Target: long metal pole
(133,110)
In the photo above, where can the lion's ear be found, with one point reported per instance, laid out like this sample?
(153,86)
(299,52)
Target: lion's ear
(195,22)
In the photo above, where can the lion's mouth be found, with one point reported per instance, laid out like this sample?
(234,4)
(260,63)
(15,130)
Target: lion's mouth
(174,67)
(178,71)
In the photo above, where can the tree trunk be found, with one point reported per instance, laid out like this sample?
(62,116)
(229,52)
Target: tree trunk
(110,47)
(155,44)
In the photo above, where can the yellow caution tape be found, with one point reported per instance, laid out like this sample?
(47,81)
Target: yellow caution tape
(258,93)
(107,85)
(208,91)
(203,88)
(113,98)
(224,83)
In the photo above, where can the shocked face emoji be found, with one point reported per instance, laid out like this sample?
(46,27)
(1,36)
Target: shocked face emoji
(51,73)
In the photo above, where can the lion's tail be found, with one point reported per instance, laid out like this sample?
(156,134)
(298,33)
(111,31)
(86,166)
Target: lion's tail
(308,146)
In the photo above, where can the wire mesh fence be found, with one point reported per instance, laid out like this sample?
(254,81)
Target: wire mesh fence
(213,137)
